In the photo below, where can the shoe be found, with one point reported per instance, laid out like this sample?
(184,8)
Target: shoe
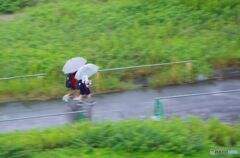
(77,98)
(66,98)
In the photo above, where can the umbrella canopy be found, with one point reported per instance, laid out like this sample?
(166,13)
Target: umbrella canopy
(86,70)
(73,65)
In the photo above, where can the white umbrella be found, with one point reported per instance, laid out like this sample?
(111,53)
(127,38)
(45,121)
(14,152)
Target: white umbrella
(73,65)
(86,70)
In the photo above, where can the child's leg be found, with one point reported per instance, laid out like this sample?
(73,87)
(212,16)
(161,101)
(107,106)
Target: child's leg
(79,98)
(89,97)
(75,93)
(72,93)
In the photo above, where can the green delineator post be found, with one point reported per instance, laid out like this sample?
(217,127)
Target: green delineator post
(82,116)
(158,110)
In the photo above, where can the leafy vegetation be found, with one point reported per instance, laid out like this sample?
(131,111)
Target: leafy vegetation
(175,137)
(109,153)
(12,6)
(116,34)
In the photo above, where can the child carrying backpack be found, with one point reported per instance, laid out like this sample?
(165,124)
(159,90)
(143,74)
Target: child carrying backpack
(71,83)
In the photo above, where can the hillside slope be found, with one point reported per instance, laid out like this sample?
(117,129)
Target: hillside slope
(115,34)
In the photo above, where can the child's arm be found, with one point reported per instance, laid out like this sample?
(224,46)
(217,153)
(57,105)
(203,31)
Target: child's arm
(89,83)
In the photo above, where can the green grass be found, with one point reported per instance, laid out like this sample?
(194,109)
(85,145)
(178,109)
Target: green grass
(170,138)
(109,153)
(112,33)
(13,6)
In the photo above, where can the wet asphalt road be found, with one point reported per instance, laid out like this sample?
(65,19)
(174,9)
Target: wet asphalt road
(131,104)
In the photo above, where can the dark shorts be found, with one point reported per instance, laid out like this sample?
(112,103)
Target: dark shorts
(84,90)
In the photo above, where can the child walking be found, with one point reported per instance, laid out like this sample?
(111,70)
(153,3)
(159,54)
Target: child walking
(71,83)
(84,85)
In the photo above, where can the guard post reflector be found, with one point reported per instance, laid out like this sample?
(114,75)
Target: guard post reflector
(158,110)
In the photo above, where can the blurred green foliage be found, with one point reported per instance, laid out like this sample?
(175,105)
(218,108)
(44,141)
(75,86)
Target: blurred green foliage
(12,6)
(109,153)
(174,136)
(113,33)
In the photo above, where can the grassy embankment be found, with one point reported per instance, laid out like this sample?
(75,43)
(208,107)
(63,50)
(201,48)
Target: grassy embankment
(191,138)
(115,34)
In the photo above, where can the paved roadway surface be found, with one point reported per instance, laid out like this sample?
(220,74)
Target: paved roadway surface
(131,104)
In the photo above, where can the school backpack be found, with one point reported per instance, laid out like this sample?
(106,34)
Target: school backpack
(69,80)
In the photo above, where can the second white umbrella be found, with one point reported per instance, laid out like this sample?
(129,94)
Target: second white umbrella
(86,70)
